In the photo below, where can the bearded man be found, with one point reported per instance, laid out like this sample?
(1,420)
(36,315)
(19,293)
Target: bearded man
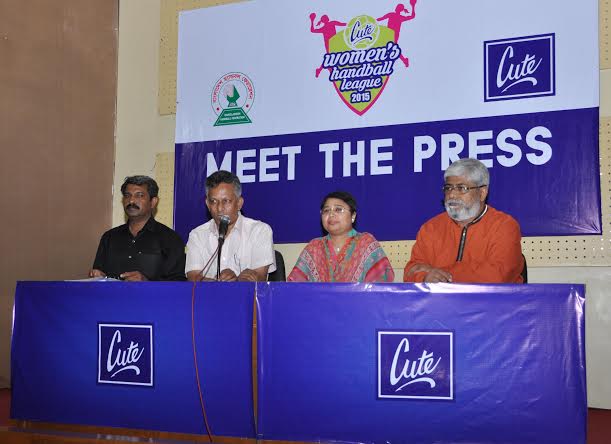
(470,241)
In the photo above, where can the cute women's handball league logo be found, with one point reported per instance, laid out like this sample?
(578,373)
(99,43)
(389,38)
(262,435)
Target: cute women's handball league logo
(232,99)
(360,57)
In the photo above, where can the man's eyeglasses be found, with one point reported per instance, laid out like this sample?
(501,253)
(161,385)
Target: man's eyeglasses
(327,211)
(460,189)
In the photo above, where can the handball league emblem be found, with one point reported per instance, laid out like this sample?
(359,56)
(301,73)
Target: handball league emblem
(360,55)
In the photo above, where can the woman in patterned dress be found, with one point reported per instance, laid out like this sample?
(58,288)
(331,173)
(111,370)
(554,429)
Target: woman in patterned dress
(343,255)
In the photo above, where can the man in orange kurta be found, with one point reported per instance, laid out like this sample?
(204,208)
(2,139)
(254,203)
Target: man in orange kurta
(491,250)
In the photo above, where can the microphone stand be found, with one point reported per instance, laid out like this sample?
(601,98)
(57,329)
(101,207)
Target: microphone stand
(223,227)
(218,258)
(204,272)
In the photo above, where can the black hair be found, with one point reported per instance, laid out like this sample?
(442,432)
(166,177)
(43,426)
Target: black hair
(151,185)
(343,196)
(222,176)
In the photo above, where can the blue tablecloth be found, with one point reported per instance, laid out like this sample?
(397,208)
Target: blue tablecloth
(399,363)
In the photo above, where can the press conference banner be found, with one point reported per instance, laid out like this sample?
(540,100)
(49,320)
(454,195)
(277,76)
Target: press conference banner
(377,98)
(440,363)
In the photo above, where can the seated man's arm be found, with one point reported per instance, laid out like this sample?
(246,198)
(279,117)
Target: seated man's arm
(427,273)
(501,257)
(100,258)
(197,276)
(194,276)
(194,263)
(262,256)
(227,275)
(133,276)
(94,273)
(256,275)
(419,268)
(174,259)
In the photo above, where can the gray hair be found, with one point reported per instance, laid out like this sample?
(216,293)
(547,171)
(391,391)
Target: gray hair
(472,169)
(222,176)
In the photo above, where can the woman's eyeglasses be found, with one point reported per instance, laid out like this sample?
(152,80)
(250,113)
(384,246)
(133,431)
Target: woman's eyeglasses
(327,211)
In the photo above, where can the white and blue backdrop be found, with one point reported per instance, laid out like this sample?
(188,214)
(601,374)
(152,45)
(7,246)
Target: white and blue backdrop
(378,98)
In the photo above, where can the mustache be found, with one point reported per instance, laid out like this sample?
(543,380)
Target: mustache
(132,206)
(456,202)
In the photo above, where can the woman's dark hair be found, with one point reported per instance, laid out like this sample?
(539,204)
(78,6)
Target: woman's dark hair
(341,195)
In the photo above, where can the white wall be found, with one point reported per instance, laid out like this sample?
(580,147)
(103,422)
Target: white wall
(142,133)
(598,323)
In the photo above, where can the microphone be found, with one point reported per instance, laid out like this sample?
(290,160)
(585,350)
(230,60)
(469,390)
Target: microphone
(223,225)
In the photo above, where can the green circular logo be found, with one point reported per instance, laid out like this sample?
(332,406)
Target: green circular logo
(361,32)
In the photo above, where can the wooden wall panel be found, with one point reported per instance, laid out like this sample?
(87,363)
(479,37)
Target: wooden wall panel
(57,121)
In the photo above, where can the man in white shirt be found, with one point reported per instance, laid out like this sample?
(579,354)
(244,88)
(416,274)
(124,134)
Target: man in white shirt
(248,250)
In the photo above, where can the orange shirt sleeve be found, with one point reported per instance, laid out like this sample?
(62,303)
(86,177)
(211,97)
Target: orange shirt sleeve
(420,255)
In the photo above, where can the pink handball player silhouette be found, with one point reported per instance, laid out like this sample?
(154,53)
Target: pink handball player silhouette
(396,19)
(325,27)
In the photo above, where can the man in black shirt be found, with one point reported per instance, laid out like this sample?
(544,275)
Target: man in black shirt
(142,249)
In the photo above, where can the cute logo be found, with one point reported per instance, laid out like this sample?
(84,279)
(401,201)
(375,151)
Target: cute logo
(519,67)
(125,354)
(416,365)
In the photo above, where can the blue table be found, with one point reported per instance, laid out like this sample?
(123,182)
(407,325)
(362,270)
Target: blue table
(335,362)
(57,355)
